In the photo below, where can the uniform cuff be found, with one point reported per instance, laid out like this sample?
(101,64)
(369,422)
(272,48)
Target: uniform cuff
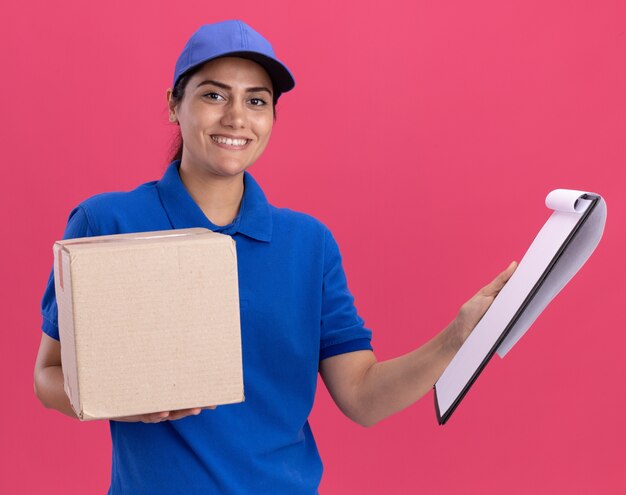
(349,346)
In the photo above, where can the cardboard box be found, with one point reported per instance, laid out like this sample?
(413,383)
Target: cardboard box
(149,322)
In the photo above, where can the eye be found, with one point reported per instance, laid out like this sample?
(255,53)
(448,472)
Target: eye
(259,102)
(213,96)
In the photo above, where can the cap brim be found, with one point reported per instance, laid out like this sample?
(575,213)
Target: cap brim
(282,79)
(280,74)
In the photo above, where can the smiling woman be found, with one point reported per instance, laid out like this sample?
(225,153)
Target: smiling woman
(225,117)
(177,93)
(298,320)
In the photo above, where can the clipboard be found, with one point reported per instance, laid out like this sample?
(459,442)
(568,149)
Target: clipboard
(559,250)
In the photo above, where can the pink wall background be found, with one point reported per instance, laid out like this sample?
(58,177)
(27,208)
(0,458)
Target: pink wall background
(426,135)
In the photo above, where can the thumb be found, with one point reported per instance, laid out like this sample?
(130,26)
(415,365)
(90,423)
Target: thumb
(497,283)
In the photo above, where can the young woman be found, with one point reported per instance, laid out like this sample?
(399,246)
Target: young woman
(297,314)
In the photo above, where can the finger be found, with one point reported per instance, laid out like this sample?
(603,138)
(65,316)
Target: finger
(156,417)
(497,283)
(176,415)
(163,415)
(183,413)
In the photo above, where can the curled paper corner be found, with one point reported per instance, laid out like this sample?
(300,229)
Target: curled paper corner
(565,200)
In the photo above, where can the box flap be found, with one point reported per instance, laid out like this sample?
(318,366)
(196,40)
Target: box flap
(136,236)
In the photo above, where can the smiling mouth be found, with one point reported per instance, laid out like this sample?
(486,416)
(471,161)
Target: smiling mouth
(230,143)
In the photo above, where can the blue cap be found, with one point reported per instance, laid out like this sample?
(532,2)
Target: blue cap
(237,39)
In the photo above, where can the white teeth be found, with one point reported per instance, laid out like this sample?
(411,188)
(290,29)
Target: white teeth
(228,141)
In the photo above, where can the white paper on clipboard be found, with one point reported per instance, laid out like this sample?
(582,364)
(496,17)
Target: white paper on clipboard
(559,250)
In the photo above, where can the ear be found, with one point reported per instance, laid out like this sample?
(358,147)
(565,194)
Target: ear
(171,105)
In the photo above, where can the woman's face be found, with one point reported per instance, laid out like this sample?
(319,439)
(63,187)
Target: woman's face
(225,116)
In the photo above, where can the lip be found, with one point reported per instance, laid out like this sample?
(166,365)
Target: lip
(230,147)
(231,136)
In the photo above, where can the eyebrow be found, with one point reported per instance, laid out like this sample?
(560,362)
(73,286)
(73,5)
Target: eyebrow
(226,86)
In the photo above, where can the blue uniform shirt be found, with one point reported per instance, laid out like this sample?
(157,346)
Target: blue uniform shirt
(296,310)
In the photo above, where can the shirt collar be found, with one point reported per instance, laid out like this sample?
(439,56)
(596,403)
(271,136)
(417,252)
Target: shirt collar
(254,218)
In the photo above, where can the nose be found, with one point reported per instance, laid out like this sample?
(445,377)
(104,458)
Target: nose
(234,115)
